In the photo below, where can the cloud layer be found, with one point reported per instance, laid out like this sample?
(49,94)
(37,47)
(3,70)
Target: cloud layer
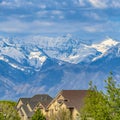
(60,17)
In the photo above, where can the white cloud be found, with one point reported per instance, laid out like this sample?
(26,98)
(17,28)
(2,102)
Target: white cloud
(116,3)
(82,3)
(94,28)
(42,13)
(16,3)
(49,26)
(105,27)
(105,3)
(61,17)
(41,23)
(17,26)
(43,26)
(5,3)
(99,3)
(93,15)
(12,25)
(42,6)
(56,12)
(90,29)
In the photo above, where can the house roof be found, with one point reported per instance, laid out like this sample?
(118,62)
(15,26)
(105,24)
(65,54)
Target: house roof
(44,99)
(25,100)
(72,98)
(26,110)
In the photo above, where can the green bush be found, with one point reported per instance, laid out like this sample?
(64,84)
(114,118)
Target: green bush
(8,111)
(38,115)
(62,114)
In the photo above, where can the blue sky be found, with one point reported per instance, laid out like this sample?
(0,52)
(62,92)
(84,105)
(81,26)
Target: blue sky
(88,19)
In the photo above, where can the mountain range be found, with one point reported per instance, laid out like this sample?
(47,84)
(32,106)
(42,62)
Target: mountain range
(48,64)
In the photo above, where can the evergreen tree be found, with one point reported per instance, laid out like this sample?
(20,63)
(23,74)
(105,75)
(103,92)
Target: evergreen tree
(38,115)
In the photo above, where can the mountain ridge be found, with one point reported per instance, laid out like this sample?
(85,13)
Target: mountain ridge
(58,63)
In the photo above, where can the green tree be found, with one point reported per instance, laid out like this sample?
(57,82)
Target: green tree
(1,116)
(113,98)
(100,106)
(38,115)
(7,111)
(95,105)
(62,114)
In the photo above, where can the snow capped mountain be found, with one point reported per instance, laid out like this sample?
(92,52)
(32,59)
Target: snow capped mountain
(37,59)
(48,64)
(24,55)
(105,45)
(64,48)
(73,50)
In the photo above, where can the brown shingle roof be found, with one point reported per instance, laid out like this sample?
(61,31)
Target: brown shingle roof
(74,98)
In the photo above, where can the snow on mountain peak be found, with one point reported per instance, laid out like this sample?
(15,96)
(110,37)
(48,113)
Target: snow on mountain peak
(65,48)
(105,45)
(37,58)
(109,42)
(37,55)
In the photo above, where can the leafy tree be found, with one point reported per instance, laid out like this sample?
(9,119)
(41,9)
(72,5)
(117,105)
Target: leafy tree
(62,114)
(1,116)
(95,105)
(7,111)
(113,98)
(38,115)
(100,106)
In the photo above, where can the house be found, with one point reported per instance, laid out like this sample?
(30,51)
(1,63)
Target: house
(27,106)
(71,100)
